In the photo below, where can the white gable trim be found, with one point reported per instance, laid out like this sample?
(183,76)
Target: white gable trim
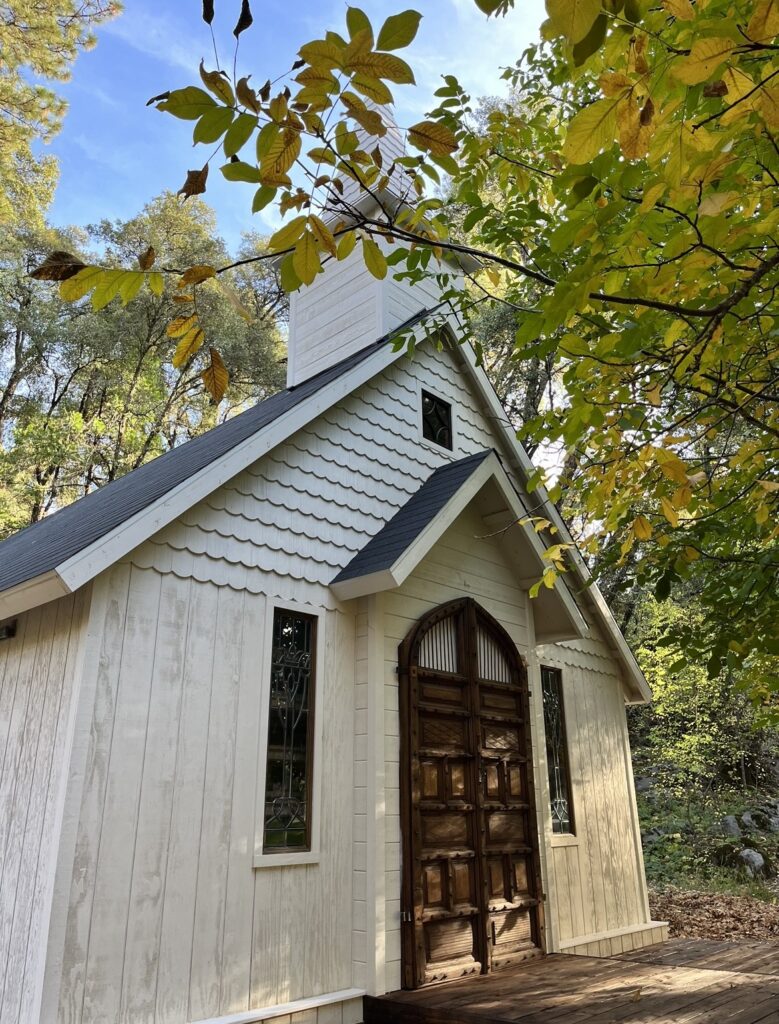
(636,685)
(406,563)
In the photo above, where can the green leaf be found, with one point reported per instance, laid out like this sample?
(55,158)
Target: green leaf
(213,124)
(239,134)
(265,194)
(573,18)
(237,170)
(374,258)
(398,30)
(189,104)
(357,21)
(288,278)
(592,42)
(107,288)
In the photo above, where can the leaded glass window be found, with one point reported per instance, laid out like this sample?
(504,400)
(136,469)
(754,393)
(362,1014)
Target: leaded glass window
(557,751)
(436,420)
(290,733)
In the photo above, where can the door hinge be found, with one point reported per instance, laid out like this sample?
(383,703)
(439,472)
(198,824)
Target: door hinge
(406,917)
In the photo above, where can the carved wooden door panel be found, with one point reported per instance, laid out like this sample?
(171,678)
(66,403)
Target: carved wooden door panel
(470,851)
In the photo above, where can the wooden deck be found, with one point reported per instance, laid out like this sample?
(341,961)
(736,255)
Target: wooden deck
(684,981)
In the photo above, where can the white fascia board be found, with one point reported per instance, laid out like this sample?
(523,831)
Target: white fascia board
(636,680)
(107,550)
(32,593)
(401,569)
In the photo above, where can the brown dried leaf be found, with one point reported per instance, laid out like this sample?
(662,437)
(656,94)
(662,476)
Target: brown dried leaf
(58,266)
(147,258)
(195,183)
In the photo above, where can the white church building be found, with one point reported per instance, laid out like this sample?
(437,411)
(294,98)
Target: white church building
(280,725)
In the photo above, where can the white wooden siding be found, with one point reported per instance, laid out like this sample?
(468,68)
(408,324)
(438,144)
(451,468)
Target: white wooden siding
(168,919)
(39,672)
(598,874)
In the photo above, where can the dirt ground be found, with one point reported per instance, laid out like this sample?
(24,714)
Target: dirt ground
(707,915)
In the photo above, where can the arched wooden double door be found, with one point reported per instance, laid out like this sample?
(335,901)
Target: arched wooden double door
(471,883)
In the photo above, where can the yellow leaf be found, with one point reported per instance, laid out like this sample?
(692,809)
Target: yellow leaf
(188,346)
(194,275)
(384,66)
(681,497)
(769,485)
(216,82)
(762,515)
(130,285)
(614,83)
(107,288)
(432,136)
(156,283)
(573,18)
(373,88)
(76,287)
(704,58)
(305,258)
(642,528)
(672,467)
(764,23)
(669,512)
(653,395)
(288,235)
(322,53)
(181,325)
(768,105)
(674,332)
(715,202)
(215,376)
(634,134)
(591,130)
(370,120)
(691,554)
(651,196)
(322,234)
(374,258)
(346,244)
(681,9)
(281,154)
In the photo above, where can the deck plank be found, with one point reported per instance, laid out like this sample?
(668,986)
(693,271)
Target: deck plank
(679,982)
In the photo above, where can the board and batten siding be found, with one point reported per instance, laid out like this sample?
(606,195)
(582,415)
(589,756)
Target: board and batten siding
(39,675)
(168,920)
(597,874)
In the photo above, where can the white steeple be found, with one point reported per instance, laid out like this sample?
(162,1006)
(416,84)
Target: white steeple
(345,308)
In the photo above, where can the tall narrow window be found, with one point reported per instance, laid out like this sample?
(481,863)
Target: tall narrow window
(557,751)
(288,775)
(436,420)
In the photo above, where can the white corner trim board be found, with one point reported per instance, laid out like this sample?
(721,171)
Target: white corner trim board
(298,1005)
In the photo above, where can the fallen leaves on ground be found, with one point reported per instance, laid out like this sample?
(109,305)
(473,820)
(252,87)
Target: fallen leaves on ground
(712,915)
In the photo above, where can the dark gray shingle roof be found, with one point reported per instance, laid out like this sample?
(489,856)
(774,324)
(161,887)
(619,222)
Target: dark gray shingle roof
(385,548)
(45,545)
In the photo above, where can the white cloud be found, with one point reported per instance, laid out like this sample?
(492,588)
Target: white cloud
(157,36)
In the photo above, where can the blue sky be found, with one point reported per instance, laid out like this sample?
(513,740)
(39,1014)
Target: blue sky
(115,153)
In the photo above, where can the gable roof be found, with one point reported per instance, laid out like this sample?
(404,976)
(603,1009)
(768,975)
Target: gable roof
(396,550)
(385,548)
(64,551)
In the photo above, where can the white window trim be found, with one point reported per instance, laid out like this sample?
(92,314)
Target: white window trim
(448,453)
(311,856)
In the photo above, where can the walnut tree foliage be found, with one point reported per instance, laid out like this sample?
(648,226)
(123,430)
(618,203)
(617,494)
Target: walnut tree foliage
(624,206)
